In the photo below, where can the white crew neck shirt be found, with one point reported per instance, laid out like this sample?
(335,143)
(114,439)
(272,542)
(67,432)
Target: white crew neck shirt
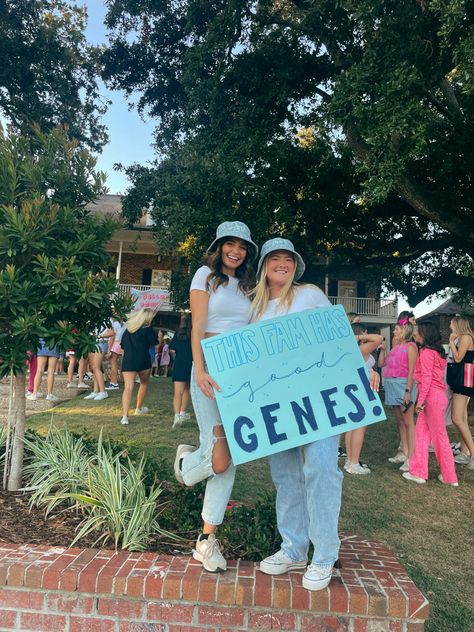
(306,297)
(228,308)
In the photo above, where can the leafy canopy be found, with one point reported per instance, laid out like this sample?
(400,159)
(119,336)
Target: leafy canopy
(346,125)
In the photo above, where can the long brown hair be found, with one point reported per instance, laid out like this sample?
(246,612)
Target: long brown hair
(245,273)
(431,336)
(184,330)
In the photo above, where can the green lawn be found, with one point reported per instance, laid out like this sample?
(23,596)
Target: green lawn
(428,526)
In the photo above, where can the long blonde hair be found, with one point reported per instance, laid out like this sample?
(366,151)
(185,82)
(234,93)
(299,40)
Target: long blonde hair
(142,318)
(463,326)
(261,293)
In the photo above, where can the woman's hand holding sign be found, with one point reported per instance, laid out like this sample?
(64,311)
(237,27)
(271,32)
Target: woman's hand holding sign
(207,384)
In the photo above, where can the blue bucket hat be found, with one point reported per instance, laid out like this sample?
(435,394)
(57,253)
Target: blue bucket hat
(235,229)
(281,244)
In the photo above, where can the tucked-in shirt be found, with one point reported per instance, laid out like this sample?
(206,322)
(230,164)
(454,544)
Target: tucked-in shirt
(306,297)
(429,372)
(396,364)
(228,308)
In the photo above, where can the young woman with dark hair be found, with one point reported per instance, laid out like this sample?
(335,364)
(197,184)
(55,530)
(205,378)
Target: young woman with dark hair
(219,302)
(180,348)
(431,406)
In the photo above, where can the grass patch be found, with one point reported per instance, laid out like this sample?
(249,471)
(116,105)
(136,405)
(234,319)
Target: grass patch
(428,526)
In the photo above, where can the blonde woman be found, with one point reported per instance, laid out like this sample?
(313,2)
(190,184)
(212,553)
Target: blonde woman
(461,346)
(400,390)
(308,481)
(136,341)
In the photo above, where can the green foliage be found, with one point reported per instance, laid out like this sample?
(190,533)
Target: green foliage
(58,465)
(346,125)
(53,261)
(117,504)
(49,72)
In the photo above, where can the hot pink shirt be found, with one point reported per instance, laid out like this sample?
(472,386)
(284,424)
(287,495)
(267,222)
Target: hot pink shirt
(429,372)
(396,363)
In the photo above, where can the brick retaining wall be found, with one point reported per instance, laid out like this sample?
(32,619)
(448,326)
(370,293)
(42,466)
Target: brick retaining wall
(87,590)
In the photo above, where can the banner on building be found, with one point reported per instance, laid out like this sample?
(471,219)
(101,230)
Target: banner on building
(150,298)
(289,381)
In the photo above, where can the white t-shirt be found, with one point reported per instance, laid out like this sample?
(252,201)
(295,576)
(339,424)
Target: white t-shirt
(306,297)
(228,307)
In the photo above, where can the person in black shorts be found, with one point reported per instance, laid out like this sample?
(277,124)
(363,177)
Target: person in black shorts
(136,341)
(180,347)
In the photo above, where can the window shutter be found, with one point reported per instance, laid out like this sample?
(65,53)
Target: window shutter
(146,276)
(332,288)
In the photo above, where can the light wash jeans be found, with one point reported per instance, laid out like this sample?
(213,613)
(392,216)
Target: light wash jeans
(308,483)
(197,466)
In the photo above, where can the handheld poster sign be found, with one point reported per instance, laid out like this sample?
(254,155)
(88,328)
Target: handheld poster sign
(289,381)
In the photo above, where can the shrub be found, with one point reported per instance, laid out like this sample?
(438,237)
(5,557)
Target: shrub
(58,465)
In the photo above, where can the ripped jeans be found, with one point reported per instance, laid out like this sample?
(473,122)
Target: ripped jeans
(197,466)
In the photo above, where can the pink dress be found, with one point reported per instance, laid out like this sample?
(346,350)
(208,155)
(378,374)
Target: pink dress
(165,356)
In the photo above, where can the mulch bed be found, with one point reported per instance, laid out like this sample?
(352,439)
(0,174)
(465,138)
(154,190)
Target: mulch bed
(21,525)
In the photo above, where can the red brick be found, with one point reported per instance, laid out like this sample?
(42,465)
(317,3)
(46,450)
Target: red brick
(153,586)
(179,564)
(260,620)
(175,612)
(172,586)
(207,588)
(121,576)
(123,608)
(320,600)
(76,605)
(357,600)
(263,589)
(226,588)
(243,591)
(220,616)
(338,598)
(21,599)
(42,622)
(315,623)
(246,569)
(415,626)
(7,619)
(360,625)
(68,580)
(190,583)
(16,573)
(51,575)
(34,574)
(397,602)
(90,624)
(419,607)
(136,583)
(190,628)
(281,593)
(137,626)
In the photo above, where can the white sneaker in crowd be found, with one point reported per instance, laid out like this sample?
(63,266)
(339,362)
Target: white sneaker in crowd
(92,395)
(124,421)
(414,479)
(317,577)
(142,411)
(177,421)
(398,458)
(71,385)
(280,563)
(184,416)
(52,398)
(181,452)
(112,387)
(462,459)
(440,478)
(83,385)
(356,468)
(208,552)
(100,396)
(405,467)
(32,397)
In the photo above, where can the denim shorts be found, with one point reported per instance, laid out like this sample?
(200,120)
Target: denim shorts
(46,352)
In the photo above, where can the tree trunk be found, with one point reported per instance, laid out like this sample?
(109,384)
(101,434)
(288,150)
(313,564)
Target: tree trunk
(16,465)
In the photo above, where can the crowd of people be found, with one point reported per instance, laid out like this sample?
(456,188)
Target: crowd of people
(227,294)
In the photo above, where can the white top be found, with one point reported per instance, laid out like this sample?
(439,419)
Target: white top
(369,363)
(306,297)
(228,307)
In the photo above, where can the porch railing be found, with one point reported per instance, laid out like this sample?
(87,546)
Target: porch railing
(367,306)
(166,306)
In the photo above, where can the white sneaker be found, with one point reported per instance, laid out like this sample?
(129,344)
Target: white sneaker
(398,458)
(462,459)
(92,395)
(317,577)
(52,398)
(32,397)
(177,421)
(100,396)
(124,421)
(415,479)
(185,416)
(470,465)
(112,387)
(208,552)
(355,468)
(440,478)
(83,385)
(405,467)
(39,394)
(181,451)
(142,411)
(280,563)
(71,385)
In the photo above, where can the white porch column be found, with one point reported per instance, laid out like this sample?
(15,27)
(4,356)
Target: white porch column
(119,262)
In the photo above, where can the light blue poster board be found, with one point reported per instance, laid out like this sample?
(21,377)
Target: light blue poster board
(289,381)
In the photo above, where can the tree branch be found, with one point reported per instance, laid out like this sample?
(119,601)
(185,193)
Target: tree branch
(453,104)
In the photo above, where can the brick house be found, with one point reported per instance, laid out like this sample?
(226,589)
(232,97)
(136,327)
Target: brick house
(138,266)
(442,315)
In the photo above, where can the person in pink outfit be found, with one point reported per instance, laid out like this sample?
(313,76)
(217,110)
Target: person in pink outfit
(33,365)
(431,406)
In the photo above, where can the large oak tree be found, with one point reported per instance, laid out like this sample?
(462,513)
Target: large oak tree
(345,124)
